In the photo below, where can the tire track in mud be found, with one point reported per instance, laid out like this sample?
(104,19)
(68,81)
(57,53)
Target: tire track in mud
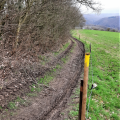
(48,107)
(19,87)
(54,115)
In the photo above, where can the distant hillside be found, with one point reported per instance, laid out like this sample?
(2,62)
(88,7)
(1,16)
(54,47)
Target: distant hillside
(89,21)
(111,22)
(105,20)
(91,18)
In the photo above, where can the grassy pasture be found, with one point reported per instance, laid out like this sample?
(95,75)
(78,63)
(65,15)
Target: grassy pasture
(105,99)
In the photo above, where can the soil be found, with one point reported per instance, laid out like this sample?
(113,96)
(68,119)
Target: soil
(49,103)
(72,100)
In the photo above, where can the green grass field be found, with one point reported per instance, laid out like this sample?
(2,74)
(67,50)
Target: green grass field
(105,99)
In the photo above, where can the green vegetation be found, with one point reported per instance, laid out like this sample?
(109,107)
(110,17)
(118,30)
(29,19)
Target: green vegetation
(62,49)
(105,62)
(47,78)
(64,59)
(44,81)
(35,87)
(0,108)
(45,59)
(74,112)
(14,104)
(32,94)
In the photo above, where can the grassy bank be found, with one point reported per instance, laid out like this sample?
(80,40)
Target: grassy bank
(104,104)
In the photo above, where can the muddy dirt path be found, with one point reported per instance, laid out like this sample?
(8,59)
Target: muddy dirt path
(50,102)
(20,85)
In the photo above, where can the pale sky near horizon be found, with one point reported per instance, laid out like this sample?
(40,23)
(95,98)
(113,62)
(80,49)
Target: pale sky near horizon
(108,6)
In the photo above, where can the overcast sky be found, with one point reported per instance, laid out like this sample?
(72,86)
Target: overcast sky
(108,6)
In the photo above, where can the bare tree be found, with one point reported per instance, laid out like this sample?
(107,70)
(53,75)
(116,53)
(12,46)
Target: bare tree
(38,25)
(90,4)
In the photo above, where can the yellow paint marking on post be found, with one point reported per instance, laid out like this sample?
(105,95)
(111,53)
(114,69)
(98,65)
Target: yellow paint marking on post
(87,58)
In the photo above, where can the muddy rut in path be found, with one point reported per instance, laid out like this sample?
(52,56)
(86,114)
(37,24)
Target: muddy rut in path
(48,104)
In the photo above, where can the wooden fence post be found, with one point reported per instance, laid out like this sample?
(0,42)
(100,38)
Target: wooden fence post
(82,106)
